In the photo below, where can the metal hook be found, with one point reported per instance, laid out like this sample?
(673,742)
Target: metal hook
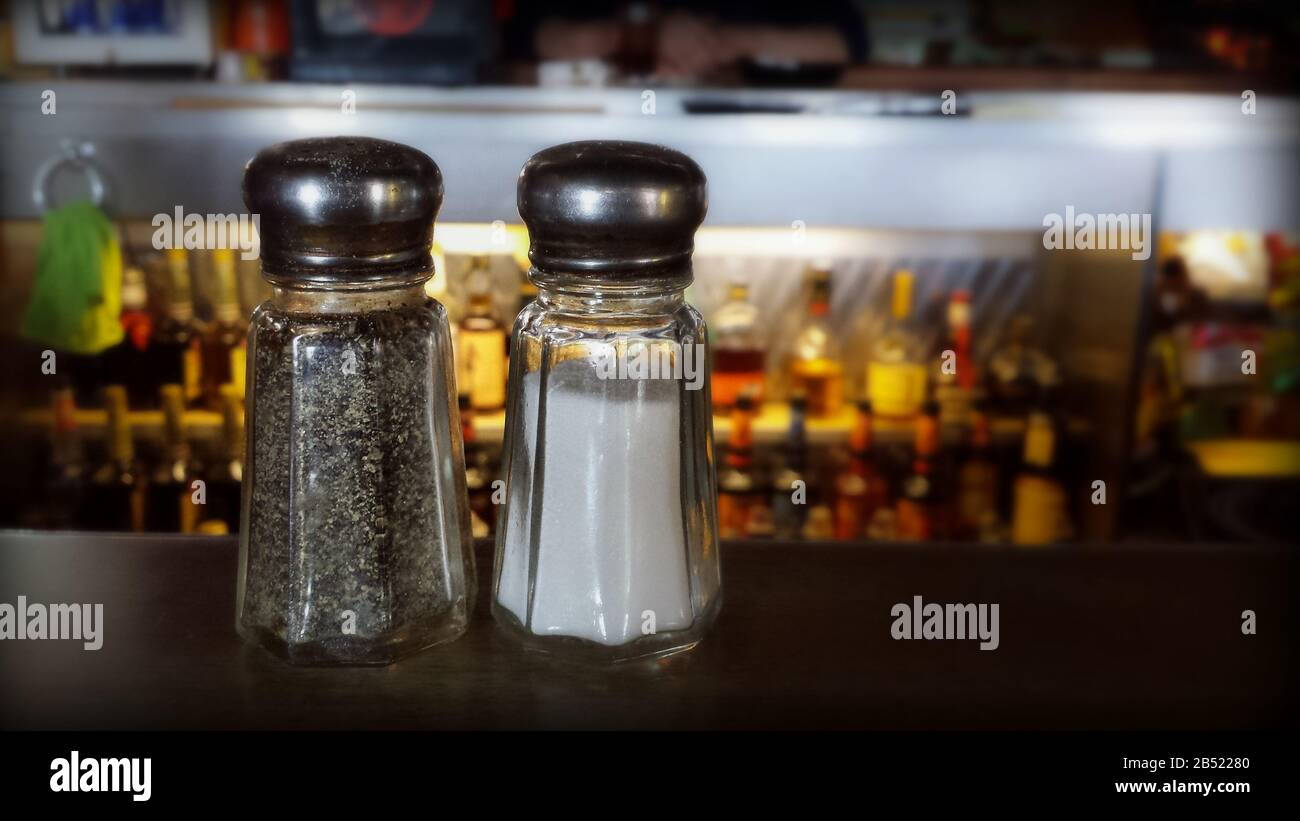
(80,156)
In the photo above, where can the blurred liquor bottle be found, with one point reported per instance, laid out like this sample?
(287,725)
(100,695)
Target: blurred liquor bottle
(130,362)
(739,357)
(820,524)
(815,368)
(482,343)
(739,489)
(171,508)
(226,475)
(761,524)
(224,340)
(176,338)
(259,33)
(860,490)
(896,373)
(1040,513)
(952,367)
(638,31)
(65,483)
(1019,374)
(478,473)
(789,480)
(115,498)
(977,484)
(921,496)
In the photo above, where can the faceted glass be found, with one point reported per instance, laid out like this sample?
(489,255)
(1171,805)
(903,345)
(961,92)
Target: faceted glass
(607,545)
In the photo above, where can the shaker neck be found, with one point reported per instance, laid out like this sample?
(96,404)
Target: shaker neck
(373,297)
(580,293)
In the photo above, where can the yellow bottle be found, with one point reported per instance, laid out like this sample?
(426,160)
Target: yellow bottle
(896,374)
(1039,515)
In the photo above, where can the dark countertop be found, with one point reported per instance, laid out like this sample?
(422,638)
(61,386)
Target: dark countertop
(1123,636)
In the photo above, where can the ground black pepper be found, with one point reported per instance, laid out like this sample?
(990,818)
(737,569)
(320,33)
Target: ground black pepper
(346,516)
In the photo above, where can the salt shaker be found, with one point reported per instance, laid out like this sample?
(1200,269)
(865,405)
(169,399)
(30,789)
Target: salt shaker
(355,535)
(607,545)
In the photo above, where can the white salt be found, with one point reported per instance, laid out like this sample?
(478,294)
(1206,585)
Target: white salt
(612,550)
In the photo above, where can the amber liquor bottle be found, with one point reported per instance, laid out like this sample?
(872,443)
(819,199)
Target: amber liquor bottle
(921,500)
(815,367)
(226,475)
(481,344)
(738,354)
(176,338)
(1040,512)
(115,498)
(739,489)
(171,505)
(976,516)
(224,340)
(65,483)
(860,489)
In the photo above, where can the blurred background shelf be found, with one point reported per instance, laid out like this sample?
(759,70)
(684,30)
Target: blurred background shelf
(1183,115)
(770,426)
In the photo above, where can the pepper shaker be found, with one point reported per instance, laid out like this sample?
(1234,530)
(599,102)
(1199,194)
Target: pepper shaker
(355,535)
(607,545)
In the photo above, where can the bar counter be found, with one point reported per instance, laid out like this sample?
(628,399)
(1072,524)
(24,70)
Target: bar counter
(1131,636)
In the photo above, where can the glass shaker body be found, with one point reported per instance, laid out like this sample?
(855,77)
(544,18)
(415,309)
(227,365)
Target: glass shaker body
(607,545)
(354,548)
(355,529)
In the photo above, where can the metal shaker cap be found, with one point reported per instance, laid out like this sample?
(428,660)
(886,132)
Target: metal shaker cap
(343,210)
(612,211)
